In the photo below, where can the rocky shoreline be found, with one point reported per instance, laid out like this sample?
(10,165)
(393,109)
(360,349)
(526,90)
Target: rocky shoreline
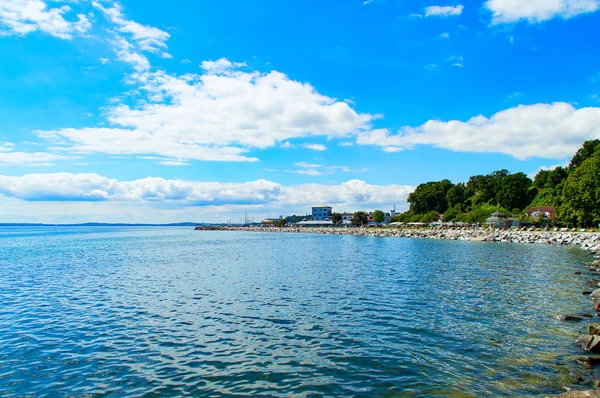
(589,241)
(584,240)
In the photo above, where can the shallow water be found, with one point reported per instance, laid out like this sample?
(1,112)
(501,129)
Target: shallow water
(172,311)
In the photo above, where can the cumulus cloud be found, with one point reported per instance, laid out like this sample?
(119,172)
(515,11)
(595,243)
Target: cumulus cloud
(535,11)
(541,130)
(68,187)
(443,11)
(218,115)
(20,17)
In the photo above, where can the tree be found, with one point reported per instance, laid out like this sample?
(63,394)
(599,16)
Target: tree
(430,196)
(430,217)
(456,196)
(588,149)
(582,191)
(378,216)
(359,219)
(515,191)
(451,214)
(336,218)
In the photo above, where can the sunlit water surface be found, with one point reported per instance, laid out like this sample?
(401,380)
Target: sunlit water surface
(172,311)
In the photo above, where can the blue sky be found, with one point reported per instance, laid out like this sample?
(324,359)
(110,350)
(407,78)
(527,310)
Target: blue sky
(162,111)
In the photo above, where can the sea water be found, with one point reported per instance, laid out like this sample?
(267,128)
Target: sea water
(171,311)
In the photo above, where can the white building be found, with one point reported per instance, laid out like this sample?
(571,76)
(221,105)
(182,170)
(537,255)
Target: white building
(321,213)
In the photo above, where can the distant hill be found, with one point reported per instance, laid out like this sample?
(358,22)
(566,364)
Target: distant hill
(99,224)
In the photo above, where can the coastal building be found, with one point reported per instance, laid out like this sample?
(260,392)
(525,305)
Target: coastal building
(499,220)
(321,213)
(273,222)
(544,211)
(346,217)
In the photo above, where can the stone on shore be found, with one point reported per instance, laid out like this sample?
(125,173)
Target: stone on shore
(589,361)
(570,318)
(589,343)
(580,394)
(595,294)
(594,330)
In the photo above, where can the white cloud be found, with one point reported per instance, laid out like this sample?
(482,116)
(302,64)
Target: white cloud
(68,187)
(221,66)
(20,17)
(310,172)
(307,165)
(542,130)
(444,35)
(8,156)
(218,115)
(315,147)
(148,38)
(443,11)
(104,61)
(535,11)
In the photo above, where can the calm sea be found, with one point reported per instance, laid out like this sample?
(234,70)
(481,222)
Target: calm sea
(173,311)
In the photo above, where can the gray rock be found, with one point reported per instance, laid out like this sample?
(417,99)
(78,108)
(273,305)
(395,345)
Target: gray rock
(595,294)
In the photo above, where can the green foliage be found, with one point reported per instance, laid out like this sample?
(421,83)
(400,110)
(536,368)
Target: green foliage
(397,218)
(432,216)
(294,219)
(582,191)
(515,191)
(359,219)
(457,196)
(336,218)
(589,149)
(452,213)
(378,216)
(430,196)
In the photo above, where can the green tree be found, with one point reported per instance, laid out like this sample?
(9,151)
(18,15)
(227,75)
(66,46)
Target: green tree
(457,196)
(359,219)
(582,191)
(429,197)
(451,214)
(515,191)
(430,217)
(378,216)
(336,218)
(588,149)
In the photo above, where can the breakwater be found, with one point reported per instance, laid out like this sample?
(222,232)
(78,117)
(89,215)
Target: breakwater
(584,240)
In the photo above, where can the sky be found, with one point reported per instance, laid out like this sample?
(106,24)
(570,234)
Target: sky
(155,111)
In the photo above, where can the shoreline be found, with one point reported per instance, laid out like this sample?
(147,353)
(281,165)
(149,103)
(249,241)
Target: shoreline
(584,240)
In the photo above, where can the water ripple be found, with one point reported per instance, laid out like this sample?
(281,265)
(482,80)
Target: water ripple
(173,312)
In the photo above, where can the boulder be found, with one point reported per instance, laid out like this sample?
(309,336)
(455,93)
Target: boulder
(580,394)
(594,330)
(597,306)
(595,294)
(570,318)
(589,343)
(589,361)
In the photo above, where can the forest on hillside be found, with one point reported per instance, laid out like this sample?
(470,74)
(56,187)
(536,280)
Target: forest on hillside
(574,191)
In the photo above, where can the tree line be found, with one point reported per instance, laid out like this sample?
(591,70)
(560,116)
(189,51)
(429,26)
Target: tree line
(574,191)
